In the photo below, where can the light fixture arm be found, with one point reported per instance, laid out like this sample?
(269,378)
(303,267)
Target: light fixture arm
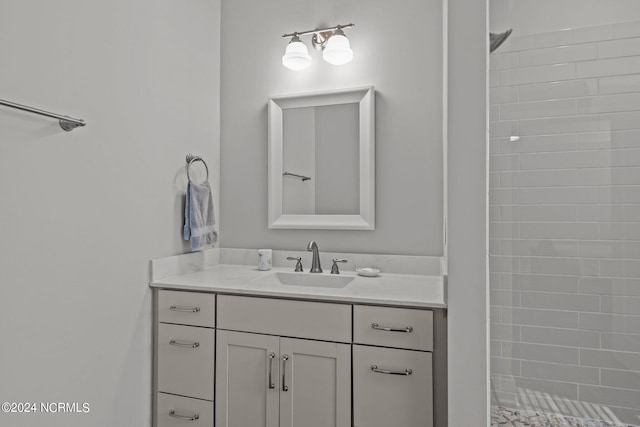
(319,30)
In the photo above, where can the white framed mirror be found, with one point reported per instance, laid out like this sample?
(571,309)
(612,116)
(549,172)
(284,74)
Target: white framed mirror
(321,160)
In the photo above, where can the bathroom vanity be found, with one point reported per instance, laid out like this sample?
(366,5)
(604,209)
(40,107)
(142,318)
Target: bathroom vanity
(234,346)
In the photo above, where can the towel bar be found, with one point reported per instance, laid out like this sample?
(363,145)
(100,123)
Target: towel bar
(302,177)
(67,123)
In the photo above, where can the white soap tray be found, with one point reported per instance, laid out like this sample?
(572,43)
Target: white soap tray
(367,271)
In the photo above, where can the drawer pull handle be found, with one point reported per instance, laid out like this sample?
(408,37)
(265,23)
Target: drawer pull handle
(284,371)
(184,344)
(193,417)
(184,309)
(272,356)
(375,368)
(387,328)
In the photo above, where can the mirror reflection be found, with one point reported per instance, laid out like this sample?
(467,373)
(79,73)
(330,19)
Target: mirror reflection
(321,164)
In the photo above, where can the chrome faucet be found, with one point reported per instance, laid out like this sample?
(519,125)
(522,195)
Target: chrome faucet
(315,263)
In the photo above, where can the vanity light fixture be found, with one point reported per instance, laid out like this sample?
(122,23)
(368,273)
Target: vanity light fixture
(335,47)
(338,50)
(296,57)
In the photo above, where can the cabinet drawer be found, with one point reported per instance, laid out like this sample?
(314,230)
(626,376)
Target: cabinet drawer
(187,308)
(186,360)
(392,397)
(303,319)
(393,327)
(178,411)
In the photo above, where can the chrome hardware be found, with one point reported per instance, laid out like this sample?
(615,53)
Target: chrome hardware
(315,263)
(302,177)
(375,368)
(298,264)
(389,329)
(496,39)
(334,267)
(193,417)
(320,35)
(69,125)
(284,371)
(272,355)
(66,123)
(184,309)
(185,344)
(192,158)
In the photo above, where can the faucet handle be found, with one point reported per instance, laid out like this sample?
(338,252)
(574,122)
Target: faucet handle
(298,264)
(334,267)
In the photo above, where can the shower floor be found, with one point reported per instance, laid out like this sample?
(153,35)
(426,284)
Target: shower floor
(504,417)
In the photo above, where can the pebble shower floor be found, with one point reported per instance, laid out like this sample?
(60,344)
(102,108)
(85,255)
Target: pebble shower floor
(511,417)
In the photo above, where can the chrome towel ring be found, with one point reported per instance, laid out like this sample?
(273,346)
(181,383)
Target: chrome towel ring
(191,158)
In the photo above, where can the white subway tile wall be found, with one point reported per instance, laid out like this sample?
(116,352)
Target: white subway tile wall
(565,222)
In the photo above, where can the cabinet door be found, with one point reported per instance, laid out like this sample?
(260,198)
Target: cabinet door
(244,365)
(392,387)
(315,386)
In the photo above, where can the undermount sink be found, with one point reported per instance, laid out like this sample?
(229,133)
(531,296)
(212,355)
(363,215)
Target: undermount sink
(312,280)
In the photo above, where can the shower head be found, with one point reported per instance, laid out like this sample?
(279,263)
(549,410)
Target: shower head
(495,40)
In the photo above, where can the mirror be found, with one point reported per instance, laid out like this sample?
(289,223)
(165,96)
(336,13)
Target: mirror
(321,160)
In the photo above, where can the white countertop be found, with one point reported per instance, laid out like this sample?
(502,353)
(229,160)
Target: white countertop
(409,290)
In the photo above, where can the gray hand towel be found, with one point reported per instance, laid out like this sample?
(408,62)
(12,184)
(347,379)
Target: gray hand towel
(199,219)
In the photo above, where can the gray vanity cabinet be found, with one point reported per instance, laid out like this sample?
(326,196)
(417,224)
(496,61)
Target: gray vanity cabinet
(269,381)
(240,361)
(277,381)
(246,389)
(392,367)
(318,378)
(390,395)
(184,358)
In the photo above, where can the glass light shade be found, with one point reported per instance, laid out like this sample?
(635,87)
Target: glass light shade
(338,50)
(296,57)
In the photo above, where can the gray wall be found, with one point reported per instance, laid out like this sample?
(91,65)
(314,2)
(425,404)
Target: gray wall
(467,290)
(82,213)
(398,49)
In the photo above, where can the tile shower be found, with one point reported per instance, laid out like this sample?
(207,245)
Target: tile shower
(564,206)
